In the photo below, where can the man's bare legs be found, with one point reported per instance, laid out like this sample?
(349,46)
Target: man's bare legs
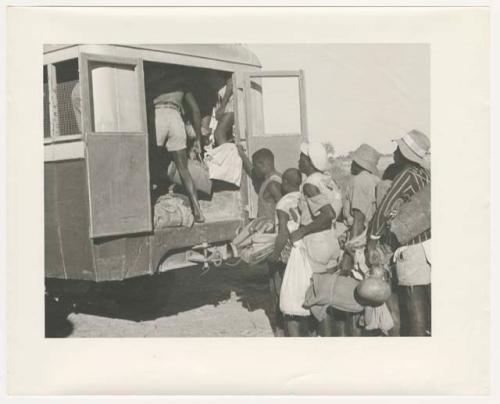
(181,163)
(224,129)
(296,326)
(328,327)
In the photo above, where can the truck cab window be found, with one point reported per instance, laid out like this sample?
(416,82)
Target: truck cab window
(46,112)
(280,104)
(67,79)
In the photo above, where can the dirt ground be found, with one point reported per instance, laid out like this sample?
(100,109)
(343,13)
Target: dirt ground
(224,302)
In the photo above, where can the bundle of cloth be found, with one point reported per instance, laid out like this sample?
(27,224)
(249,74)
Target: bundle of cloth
(224,163)
(221,163)
(172,210)
(255,242)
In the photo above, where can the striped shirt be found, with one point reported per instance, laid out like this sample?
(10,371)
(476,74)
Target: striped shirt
(405,185)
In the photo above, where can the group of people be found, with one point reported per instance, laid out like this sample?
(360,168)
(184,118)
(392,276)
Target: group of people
(337,230)
(343,230)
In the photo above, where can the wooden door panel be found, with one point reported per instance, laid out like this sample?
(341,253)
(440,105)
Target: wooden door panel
(117,150)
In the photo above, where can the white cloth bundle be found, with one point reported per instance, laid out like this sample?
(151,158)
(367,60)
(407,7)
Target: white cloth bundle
(377,318)
(224,163)
(296,281)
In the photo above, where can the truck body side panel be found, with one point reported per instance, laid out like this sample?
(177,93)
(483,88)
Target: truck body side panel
(68,251)
(121,258)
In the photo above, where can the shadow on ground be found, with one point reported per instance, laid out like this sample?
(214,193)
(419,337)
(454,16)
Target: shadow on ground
(167,294)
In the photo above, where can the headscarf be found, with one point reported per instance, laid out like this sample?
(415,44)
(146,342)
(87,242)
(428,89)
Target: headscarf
(317,154)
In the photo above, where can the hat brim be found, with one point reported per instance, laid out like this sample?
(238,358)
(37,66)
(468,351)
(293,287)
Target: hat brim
(409,153)
(364,164)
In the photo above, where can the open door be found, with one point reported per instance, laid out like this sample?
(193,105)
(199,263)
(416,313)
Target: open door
(116,140)
(271,113)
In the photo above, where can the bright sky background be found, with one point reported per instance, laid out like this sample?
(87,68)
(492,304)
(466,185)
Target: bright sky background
(355,93)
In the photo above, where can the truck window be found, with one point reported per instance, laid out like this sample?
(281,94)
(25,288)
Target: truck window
(60,120)
(67,79)
(46,112)
(115,98)
(281,106)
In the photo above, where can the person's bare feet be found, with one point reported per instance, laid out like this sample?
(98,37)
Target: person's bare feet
(198,217)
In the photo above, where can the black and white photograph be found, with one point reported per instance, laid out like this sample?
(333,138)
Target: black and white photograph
(237,190)
(235,203)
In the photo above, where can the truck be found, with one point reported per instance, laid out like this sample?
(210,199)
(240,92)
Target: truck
(99,177)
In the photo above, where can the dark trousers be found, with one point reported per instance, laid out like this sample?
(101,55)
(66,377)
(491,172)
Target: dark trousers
(393,306)
(415,310)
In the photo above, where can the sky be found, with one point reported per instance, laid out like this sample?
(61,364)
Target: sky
(355,93)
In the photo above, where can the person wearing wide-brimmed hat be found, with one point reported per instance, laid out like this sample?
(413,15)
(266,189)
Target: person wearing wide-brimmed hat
(413,266)
(358,207)
(359,199)
(359,204)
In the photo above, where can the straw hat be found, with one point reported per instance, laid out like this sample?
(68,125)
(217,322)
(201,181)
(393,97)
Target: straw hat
(317,153)
(366,157)
(416,147)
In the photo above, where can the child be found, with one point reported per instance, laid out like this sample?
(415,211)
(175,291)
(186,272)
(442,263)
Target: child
(288,221)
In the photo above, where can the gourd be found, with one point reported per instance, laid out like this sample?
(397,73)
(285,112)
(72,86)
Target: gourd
(374,289)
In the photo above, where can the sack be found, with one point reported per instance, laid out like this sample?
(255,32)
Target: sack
(224,163)
(172,210)
(295,283)
(413,217)
(259,225)
(252,243)
(322,249)
(199,173)
(331,290)
(260,248)
(343,297)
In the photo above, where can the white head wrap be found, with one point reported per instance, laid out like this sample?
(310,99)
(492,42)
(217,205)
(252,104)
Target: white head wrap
(317,153)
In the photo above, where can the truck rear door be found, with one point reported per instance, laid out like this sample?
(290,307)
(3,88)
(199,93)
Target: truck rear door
(270,113)
(116,144)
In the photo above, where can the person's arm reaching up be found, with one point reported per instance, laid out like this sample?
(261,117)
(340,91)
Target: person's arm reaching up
(247,164)
(227,93)
(225,98)
(195,113)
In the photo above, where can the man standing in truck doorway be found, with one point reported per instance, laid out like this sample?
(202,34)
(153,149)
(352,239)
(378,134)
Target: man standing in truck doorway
(171,90)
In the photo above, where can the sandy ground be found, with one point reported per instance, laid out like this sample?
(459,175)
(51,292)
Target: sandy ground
(224,302)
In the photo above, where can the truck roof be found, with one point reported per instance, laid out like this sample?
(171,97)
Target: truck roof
(222,52)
